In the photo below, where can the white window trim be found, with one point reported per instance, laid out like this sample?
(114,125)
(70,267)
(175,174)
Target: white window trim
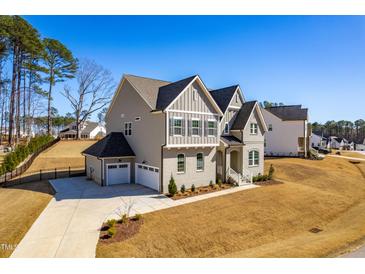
(216,125)
(224,129)
(256,129)
(196,157)
(195,94)
(125,123)
(237,97)
(177,164)
(195,119)
(253,158)
(173,125)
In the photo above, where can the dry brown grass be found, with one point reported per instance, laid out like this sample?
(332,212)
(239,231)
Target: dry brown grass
(20,207)
(61,155)
(271,221)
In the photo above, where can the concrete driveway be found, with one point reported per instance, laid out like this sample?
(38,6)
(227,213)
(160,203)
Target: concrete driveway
(69,225)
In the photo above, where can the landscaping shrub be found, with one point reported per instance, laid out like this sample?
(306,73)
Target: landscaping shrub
(211,183)
(182,189)
(111,231)
(219,182)
(111,222)
(193,188)
(21,152)
(271,172)
(124,219)
(172,186)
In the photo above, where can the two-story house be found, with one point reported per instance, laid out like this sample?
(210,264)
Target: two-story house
(288,131)
(158,129)
(88,130)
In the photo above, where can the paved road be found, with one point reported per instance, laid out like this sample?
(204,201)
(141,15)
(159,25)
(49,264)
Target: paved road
(359,253)
(69,226)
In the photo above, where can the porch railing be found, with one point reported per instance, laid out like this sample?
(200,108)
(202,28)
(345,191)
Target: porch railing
(238,177)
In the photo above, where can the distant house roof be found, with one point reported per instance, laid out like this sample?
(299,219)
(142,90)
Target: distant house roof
(112,145)
(89,127)
(231,140)
(223,96)
(243,115)
(289,113)
(169,92)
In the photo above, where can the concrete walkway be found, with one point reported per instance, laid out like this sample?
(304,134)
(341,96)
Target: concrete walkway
(69,225)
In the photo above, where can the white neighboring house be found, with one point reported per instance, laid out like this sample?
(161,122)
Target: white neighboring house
(360,147)
(288,133)
(318,140)
(89,130)
(337,143)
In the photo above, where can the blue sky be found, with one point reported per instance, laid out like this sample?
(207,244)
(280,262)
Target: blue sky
(316,61)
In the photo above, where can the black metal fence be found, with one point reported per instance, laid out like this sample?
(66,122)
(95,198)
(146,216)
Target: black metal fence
(18,171)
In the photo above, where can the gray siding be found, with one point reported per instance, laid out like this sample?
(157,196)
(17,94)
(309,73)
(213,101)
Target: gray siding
(93,168)
(148,134)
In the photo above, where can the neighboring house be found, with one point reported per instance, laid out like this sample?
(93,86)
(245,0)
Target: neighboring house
(89,130)
(337,143)
(288,133)
(158,130)
(359,147)
(317,140)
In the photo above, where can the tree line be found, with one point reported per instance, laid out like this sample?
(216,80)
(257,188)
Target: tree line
(30,68)
(352,131)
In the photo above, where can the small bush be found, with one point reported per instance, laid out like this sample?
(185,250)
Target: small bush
(138,217)
(211,183)
(111,222)
(193,188)
(182,189)
(271,172)
(172,186)
(219,182)
(111,231)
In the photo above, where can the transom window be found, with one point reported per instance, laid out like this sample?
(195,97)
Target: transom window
(177,126)
(128,128)
(200,162)
(270,127)
(226,128)
(180,163)
(253,158)
(253,128)
(212,127)
(195,127)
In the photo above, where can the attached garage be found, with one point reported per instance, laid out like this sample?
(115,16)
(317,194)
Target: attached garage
(148,176)
(110,161)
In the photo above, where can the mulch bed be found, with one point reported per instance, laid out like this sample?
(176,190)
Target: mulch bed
(124,231)
(200,191)
(268,183)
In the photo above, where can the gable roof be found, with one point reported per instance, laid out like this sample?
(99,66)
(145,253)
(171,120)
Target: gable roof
(290,112)
(243,115)
(112,145)
(223,96)
(169,92)
(90,126)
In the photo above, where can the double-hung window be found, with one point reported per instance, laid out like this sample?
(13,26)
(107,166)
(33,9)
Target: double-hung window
(127,128)
(226,128)
(253,128)
(212,128)
(253,158)
(195,127)
(180,163)
(199,162)
(177,126)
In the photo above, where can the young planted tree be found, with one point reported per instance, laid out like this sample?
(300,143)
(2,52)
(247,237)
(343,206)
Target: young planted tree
(60,65)
(95,85)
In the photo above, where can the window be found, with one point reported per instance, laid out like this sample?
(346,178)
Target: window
(212,126)
(236,98)
(195,127)
(226,128)
(177,126)
(199,162)
(253,128)
(128,128)
(253,158)
(195,94)
(180,163)
(270,127)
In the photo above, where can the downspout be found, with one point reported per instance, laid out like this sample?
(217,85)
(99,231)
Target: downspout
(162,147)
(102,172)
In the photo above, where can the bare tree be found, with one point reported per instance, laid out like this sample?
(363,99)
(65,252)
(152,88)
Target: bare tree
(95,85)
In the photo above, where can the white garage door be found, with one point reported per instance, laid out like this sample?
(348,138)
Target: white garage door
(148,176)
(118,173)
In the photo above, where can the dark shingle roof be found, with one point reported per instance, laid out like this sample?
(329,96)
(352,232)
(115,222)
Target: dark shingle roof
(243,115)
(90,126)
(168,93)
(223,96)
(112,145)
(231,140)
(289,113)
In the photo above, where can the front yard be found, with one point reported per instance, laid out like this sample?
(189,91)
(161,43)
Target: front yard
(271,221)
(20,207)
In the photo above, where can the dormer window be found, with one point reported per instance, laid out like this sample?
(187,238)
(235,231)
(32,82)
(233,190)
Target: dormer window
(226,128)
(253,128)
(195,94)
